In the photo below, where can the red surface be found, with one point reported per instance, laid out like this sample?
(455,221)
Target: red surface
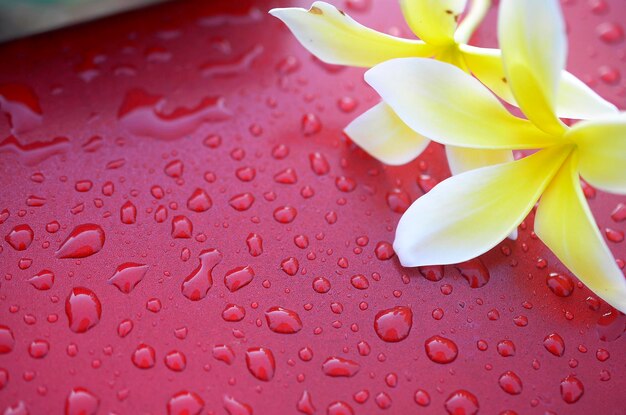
(122,120)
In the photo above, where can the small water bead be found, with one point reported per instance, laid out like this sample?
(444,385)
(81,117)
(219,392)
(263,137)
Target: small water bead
(359,282)
(383,400)
(506,348)
(301,241)
(611,325)
(283,321)
(261,363)
(305,403)
(437,313)
(426,182)
(319,164)
(185,403)
(224,353)
(242,202)
(83,309)
(234,407)
(199,201)
(20,237)
(520,321)
(144,356)
(38,349)
(128,275)
(310,124)
(124,328)
(182,228)
(43,280)
(461,402)
(432,272)
(572,389)
(286,176)
(321,285)
(510,383)
(340,367)
(285,214)
(53,227)
(613,235)
(475,272)
(128,213)
(238,277)
(602,355)
(81,401)
(361,396)
(345,184)
(233,313)
(290,266)
(384,250)
(421,397)
(154,305)
(610,32)
(554,344)
(255,244)
(339,408)
(441,350)
(394,324)
(174,169)
(175,361)
(560,284)
(482,345)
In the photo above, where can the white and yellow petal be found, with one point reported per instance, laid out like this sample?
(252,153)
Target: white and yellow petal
(433,21)
(462,159)
(466,215)
(475,15)
(574,99)
(445,104)
(385,137)
(534,47)
(565,224)
(334,37)
(602,149)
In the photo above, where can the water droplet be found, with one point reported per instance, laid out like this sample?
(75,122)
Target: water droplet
(285,214)
(610,32)
(21,105)
(199,201)
(239,277)
(319,164)
(283,321)
(242,201)
(286,176)
(224,353)
(572,389)
(234,407)
(384,251)
(305,403)
(261,363)
(7,340)
(560,284)
(255,244)
(462,402)
(506,348)
(510,383)
(233,313)
(611,325)
(144,356)
(554,344)
(128,275)
(310,124)
(394,324)
(339,408)
(614,235)
(475,272)
(175,361)
(421,397)
(20,237)
(383,400)
(359,282)
(38,349)
(128,213)
(432,272)
(80,401)
(290,266)
(441,350)
(43,280)
(124,328)
(340,367)
(83,309)
(398,200)
(185,403)
(347,104)
(182,227)
(197,284)
(85,240)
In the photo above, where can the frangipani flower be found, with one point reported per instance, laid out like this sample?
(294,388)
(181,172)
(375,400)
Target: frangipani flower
(468,214)
(335,38)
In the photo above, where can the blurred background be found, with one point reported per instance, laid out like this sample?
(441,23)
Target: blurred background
(20,18)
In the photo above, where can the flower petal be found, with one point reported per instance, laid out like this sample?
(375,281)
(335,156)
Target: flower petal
(462,159)
(574,98)
(534,47)
(433,21)
(602,148)
(445,104)
(466,215)
(336,38)
(385,137)
(565,224)
(475,15)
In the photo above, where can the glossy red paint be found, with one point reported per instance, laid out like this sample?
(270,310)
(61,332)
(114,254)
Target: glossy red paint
(158,137)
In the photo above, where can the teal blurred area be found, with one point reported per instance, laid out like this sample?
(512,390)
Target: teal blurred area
(20,18)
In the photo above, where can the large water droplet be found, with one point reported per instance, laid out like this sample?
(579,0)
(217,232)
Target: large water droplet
(128,275)
(239,277)
(7,340)
(83,309)
(462,402)
(510,383)
(43,280)
(340,367)
(197,284)
(85,240)
(441,350)
(81,401)
(144,356)
(572,389)
(20,237)
(394,324)
(282,320)
(185,403)
(261,363)
(554,344)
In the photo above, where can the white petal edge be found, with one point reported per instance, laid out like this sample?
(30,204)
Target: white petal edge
(383,135)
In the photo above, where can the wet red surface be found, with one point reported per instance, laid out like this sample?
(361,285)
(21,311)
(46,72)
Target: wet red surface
(188,231)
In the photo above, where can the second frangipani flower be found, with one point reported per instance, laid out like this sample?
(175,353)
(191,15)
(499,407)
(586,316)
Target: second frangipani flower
(335,38)
(468,214)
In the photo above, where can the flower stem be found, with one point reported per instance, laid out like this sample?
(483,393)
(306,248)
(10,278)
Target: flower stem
(477,12)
